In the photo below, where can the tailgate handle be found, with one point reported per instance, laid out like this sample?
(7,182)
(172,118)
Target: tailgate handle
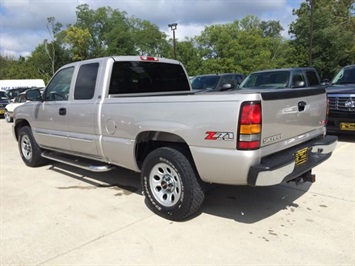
(301,106)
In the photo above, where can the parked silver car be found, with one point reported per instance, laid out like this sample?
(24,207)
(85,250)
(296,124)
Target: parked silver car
(9,108)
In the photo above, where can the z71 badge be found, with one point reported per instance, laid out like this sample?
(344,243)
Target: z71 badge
(215,135)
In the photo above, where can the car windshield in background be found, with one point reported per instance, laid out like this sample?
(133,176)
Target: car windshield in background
(3,95)
(216,82)
(345,76)
(205,82)
(266,80)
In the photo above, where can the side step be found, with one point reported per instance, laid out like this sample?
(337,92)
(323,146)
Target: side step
(82,163)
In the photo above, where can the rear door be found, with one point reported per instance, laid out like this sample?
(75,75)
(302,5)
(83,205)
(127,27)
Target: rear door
(82,111)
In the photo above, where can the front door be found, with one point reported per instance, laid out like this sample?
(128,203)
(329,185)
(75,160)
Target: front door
(50,125)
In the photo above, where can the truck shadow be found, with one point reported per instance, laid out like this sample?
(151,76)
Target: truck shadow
(120,179)
(346,137)
(251,204)
(240,203)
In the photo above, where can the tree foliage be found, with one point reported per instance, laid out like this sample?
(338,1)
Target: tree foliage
(241,46)
(333,34)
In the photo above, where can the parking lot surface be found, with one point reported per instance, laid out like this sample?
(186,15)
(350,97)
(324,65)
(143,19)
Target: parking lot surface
(60,215)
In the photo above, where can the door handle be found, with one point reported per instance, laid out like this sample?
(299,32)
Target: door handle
(301,106)
(62,111)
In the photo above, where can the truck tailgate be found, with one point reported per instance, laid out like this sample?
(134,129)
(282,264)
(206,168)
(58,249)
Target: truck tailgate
(292,116)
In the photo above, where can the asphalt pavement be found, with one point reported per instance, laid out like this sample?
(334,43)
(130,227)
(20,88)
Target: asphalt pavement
(60,215)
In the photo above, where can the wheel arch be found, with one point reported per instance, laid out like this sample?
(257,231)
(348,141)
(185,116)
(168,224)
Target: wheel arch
(148,141)
(20,123)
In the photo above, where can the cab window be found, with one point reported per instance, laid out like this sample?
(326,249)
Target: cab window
(312,78)
(58,88)
(86,82)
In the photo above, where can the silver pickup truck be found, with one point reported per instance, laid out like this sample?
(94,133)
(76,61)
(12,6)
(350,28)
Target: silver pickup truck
(140,113)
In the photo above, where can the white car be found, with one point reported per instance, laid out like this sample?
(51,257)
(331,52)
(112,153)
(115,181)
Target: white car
(9,108)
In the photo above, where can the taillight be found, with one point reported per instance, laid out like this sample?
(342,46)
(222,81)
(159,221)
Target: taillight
(149,58)
(249,131)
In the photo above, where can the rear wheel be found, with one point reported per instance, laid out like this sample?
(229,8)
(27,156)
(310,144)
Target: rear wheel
(171,185)
(29,149)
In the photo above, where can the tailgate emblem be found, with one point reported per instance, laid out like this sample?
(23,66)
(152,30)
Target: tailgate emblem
(272,138)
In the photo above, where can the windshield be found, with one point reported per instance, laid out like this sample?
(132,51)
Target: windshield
(273,79)
(3,95)
(345,76)
(205,82)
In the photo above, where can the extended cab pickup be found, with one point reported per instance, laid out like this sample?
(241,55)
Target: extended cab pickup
(300,77)
(140,113)
(341,95)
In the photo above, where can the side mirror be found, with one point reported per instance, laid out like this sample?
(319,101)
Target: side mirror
(298,84)
(325,82)
(33,95)
(225,87)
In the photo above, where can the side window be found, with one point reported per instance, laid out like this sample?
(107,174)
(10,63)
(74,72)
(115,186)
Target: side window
(58,88)
(312,78)
(239,79)
(86,81)
(22,98)
(228,79)
(298,80)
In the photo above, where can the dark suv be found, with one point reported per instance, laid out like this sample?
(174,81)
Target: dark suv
(12,93)
(3,102)
(341,95)
(216,82)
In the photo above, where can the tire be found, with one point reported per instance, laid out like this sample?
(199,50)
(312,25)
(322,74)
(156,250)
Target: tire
(171,185)
(8,118)
(29,149)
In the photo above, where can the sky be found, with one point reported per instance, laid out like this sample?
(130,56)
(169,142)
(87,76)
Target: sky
(23,23)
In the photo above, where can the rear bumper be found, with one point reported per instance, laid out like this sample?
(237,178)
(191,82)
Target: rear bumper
(282,167)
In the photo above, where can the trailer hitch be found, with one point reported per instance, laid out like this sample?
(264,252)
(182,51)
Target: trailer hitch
(305,177)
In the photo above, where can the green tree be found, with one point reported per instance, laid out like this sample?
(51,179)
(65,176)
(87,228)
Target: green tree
(20,69)
(40,61)
(78,38)
(95,22)
(148,40)
(118,36)
(333,42)
(5,64)
(243,46)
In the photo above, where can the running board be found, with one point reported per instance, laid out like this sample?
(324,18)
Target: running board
(82,163)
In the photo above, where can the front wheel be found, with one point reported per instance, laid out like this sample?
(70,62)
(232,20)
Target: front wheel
(171,185)
(8,118)
(29,149)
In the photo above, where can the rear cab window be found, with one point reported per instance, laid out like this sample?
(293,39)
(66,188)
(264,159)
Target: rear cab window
(133,77)
(86,81)
(277,79)
(312,78)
